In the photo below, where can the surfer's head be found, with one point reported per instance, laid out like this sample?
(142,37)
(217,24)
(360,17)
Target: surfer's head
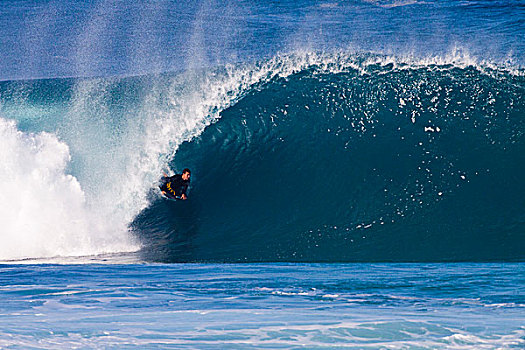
(186,174)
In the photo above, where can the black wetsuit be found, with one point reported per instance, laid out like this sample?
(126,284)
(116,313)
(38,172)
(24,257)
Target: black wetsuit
(174,186)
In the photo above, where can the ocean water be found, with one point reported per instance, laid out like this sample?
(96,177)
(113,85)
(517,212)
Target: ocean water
(357,174)
(263,306)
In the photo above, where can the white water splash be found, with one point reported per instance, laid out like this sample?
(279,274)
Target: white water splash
(42,208)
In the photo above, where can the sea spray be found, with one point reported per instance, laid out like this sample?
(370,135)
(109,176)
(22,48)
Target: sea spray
(42,207)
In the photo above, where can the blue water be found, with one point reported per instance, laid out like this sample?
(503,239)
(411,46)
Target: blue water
(357,174)
(274,306)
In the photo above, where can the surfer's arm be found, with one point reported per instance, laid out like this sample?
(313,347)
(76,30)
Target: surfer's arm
(183,192)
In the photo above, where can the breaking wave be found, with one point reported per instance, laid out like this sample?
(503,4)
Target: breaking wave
(305,157)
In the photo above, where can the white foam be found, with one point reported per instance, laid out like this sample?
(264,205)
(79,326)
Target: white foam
(42,208)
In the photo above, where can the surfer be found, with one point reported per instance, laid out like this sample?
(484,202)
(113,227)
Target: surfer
(175,187)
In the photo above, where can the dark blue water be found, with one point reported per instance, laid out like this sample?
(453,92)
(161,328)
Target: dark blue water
(396,165)
(318,133)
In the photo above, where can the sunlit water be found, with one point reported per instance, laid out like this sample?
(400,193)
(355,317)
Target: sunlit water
(312,306)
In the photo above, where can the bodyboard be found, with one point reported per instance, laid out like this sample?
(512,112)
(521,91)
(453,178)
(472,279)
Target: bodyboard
(169,196)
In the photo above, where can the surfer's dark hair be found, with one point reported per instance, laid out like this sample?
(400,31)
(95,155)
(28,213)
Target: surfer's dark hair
(186,171)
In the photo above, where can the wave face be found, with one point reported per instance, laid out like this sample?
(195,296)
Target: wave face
(306,157)
(383,162)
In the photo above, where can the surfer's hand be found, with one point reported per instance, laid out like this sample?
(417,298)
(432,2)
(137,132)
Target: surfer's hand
(183,197)
(164,193)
